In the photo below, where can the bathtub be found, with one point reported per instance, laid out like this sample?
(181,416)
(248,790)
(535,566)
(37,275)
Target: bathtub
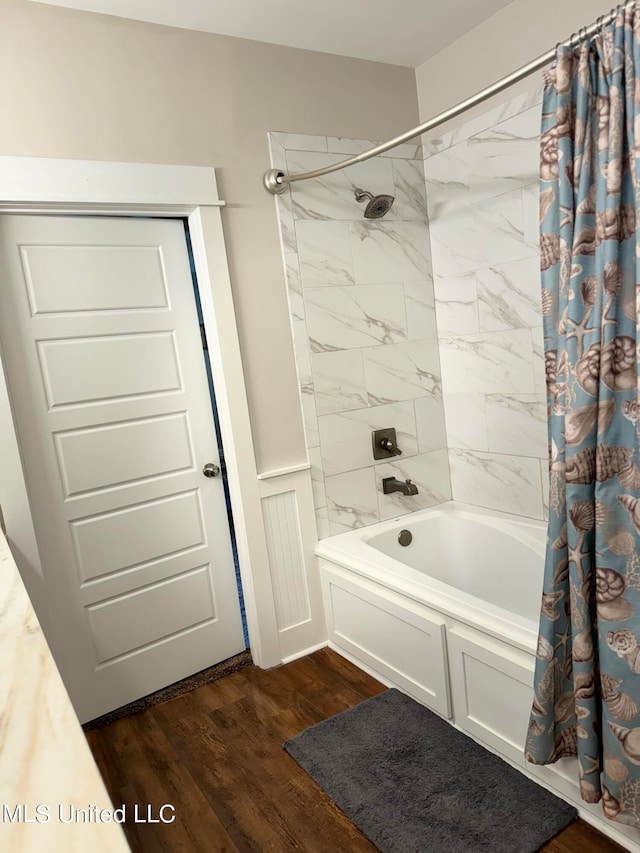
(452,620)
(482,567)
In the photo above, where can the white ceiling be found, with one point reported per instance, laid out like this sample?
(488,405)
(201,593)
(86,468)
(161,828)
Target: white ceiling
(402,32)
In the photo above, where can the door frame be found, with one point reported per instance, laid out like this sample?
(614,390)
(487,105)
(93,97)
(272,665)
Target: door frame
(31,185)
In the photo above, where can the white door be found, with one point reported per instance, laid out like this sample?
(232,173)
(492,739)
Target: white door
(104,362)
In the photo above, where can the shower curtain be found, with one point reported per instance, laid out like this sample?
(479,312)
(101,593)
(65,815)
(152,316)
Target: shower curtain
(587,680)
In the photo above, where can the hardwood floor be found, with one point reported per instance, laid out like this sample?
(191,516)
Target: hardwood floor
(216,755)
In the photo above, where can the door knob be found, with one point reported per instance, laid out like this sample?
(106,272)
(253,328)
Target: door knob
(210,470)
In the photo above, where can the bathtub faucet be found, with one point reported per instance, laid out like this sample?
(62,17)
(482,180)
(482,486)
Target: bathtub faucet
(392,484)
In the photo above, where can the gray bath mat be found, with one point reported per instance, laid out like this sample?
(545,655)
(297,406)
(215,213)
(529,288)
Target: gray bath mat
(414,784)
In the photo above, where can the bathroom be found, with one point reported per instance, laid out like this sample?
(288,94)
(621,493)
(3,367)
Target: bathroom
(345,324)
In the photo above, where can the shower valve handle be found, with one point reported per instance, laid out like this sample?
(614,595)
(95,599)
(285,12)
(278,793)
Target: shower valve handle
(385,443)
(388,445)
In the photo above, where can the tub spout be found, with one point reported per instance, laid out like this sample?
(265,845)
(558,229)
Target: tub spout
(392,484)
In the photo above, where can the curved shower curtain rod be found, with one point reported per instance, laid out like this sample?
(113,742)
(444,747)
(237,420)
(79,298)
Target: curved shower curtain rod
(276,181)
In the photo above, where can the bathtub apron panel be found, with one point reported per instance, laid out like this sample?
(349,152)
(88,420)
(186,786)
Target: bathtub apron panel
(396,637)
(492,689)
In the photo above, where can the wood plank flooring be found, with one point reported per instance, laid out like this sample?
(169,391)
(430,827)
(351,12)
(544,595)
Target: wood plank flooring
(216,755)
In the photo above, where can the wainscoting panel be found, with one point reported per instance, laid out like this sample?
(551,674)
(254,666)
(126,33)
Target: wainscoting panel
(286,560)
(289,523)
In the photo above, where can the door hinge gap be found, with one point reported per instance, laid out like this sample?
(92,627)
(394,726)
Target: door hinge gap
(203,336)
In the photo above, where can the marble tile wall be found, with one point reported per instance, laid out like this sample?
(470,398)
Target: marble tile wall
(364,329)
(427,320)
(482,190)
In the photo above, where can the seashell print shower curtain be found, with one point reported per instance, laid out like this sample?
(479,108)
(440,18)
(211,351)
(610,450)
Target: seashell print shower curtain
(587,681)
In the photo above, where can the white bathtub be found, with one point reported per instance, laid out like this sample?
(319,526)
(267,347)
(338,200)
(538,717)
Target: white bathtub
(452,620)
(483,567)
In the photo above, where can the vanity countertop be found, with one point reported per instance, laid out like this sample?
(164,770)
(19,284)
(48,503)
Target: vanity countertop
(45,760)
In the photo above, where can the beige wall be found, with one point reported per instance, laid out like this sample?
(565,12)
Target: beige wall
(80,85)
(514,36)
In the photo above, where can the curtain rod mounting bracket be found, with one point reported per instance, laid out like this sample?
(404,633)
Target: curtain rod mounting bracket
(272,183)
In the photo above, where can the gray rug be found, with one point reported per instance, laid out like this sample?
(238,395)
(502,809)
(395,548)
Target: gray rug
(414,784)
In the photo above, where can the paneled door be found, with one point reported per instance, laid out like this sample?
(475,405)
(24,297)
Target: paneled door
(103,356)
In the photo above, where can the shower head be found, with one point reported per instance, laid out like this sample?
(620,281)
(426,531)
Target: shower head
(377,206)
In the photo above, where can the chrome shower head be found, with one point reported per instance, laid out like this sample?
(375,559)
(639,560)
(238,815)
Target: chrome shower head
(378,205)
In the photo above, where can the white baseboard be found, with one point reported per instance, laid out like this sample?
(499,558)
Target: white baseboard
(305,652)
